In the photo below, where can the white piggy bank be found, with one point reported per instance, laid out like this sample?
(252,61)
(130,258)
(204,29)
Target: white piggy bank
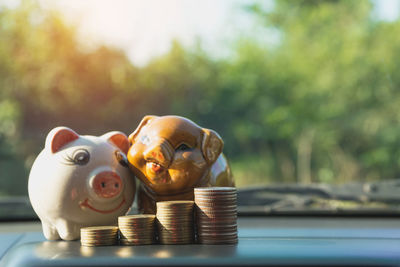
(80,180)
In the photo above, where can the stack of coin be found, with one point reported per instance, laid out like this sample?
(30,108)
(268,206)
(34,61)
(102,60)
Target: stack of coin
(137,229)
(216,215)
(175,222)
(99,236)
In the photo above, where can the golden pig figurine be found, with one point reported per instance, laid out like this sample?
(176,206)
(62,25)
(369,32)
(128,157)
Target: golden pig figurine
(171,155)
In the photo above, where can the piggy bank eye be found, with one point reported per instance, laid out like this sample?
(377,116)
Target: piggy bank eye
(145,140)
(121,158)
(81,157)
(183,147)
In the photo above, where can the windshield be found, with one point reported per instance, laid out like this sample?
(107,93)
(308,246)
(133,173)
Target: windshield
(305,94)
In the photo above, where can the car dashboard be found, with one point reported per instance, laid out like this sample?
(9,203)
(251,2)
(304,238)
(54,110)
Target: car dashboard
(263,241)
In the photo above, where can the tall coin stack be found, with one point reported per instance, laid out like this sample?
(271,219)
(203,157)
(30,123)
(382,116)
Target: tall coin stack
(216,215)
(99,236)
(137,229)
(175,222)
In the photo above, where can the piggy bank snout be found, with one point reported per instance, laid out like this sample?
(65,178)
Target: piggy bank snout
(107,184)
(161,152)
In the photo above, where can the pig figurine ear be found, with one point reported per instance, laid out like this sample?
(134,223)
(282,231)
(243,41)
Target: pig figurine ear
(145,120)
(212,145)
(59,137)
(118,139)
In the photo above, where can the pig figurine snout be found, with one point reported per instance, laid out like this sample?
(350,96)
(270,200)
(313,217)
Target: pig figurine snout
(160,152)
(106,184)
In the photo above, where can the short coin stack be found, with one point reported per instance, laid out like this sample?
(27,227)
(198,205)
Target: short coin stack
(99,236)
(175,222)
(216,215)
(137,229)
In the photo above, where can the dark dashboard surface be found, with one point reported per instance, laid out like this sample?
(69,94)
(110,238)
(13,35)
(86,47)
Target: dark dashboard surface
(262,241)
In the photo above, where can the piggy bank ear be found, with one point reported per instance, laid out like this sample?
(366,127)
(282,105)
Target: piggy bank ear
(144,122)
(212,145)
(59,137)
(118,139)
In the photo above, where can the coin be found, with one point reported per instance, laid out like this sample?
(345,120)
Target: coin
(136,218)
(218,242)
(175,205)
(135,243)
(216,215)
(215,211)
(220,228)
(199,190)
(137,229)
(99,229)
(99,236)
(175,222)
(216,231)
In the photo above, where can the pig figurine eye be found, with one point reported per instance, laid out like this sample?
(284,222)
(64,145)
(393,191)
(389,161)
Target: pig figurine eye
(81,157)
(121,158)
(183,147)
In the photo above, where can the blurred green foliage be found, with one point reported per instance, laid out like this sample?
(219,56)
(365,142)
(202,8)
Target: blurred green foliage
(319,104)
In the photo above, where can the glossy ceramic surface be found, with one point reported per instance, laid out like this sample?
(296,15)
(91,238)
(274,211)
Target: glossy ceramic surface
(79,181)
(171,155)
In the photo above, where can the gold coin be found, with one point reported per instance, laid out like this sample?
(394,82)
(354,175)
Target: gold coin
(177,220)
(145,231)
(213,230)
(218,242)
(183,242)
(172,232)
(137,243)
(215,222)
(216,202)
(175,224)
(174,205)
(137,239)
(99,228)
(175,202)
(172,214)
(172,226)
(217,235)
(100,241)
(175,239)
(208,199)
(216,216)
(163,239)
(93,244)
(216,239)
(100,234)
(215,211)
(215,189)
(136,223)
(175,216)
(214,205)
(134,231)
(215,193)
(136,228)
(220,229)
(98,237)
(137,234)
(137,217)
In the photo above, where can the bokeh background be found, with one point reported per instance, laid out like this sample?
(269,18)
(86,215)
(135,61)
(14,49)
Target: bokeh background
(301,91)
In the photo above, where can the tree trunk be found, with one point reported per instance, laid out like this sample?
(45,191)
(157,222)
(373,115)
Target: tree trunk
(304,152)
